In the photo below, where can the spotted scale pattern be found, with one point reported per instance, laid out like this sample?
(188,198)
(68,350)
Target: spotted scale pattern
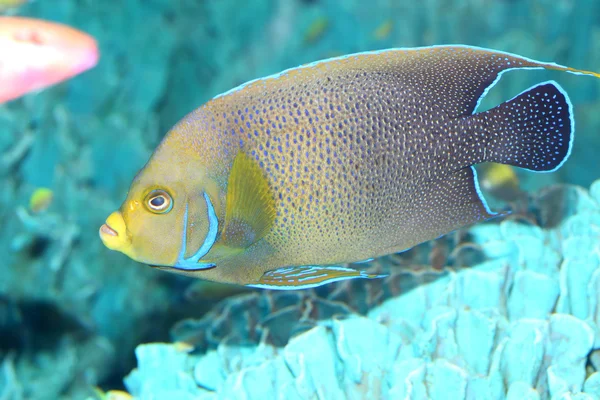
(371,153)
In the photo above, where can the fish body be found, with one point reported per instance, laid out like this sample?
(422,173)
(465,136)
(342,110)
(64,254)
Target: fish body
(276,183)
(35,54)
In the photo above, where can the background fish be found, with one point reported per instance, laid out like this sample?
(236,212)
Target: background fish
(35,54)
(10,4)
(40,200)
(502,182)
(275,183)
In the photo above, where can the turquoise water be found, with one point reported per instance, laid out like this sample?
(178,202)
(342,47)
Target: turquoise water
(520,322)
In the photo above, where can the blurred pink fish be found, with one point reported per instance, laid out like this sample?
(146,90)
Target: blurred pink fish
(35,54)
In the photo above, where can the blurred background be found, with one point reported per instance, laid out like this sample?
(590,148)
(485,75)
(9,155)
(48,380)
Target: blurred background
(71,311)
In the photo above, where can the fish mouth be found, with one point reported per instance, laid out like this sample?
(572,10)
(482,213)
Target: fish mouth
(107,230)
(114,233)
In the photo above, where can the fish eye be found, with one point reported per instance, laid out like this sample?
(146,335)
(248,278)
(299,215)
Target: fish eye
(159,202)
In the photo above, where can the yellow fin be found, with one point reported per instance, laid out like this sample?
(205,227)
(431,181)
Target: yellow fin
(250,206)
(219,251)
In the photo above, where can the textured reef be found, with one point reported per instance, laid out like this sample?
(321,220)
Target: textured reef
(522,325)
(72,312)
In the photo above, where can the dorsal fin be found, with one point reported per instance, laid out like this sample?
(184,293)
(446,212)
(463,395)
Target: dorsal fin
(250,206)
(456,78)
(448,78)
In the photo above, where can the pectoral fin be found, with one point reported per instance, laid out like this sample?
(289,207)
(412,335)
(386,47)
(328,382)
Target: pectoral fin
(220,251)
(294,278)
(250,206)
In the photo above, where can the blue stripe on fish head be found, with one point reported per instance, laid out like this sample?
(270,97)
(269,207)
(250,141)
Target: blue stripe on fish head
(192,263)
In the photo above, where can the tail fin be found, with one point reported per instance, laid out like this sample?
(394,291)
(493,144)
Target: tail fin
(534,130)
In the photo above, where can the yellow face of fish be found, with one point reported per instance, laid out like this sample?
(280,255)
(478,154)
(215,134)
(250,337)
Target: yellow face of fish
(162,222)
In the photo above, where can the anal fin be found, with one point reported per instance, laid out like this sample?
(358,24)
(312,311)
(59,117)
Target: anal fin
(304,277)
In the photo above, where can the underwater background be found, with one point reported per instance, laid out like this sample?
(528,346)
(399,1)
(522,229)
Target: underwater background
(505,309)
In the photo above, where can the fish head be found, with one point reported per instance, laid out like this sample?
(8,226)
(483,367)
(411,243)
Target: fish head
(168,215)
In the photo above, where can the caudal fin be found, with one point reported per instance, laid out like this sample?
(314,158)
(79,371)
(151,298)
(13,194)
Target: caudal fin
(534,130)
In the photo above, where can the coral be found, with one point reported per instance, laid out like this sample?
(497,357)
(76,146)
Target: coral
(522,325)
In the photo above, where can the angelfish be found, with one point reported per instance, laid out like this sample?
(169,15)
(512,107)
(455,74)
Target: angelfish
(281,182)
